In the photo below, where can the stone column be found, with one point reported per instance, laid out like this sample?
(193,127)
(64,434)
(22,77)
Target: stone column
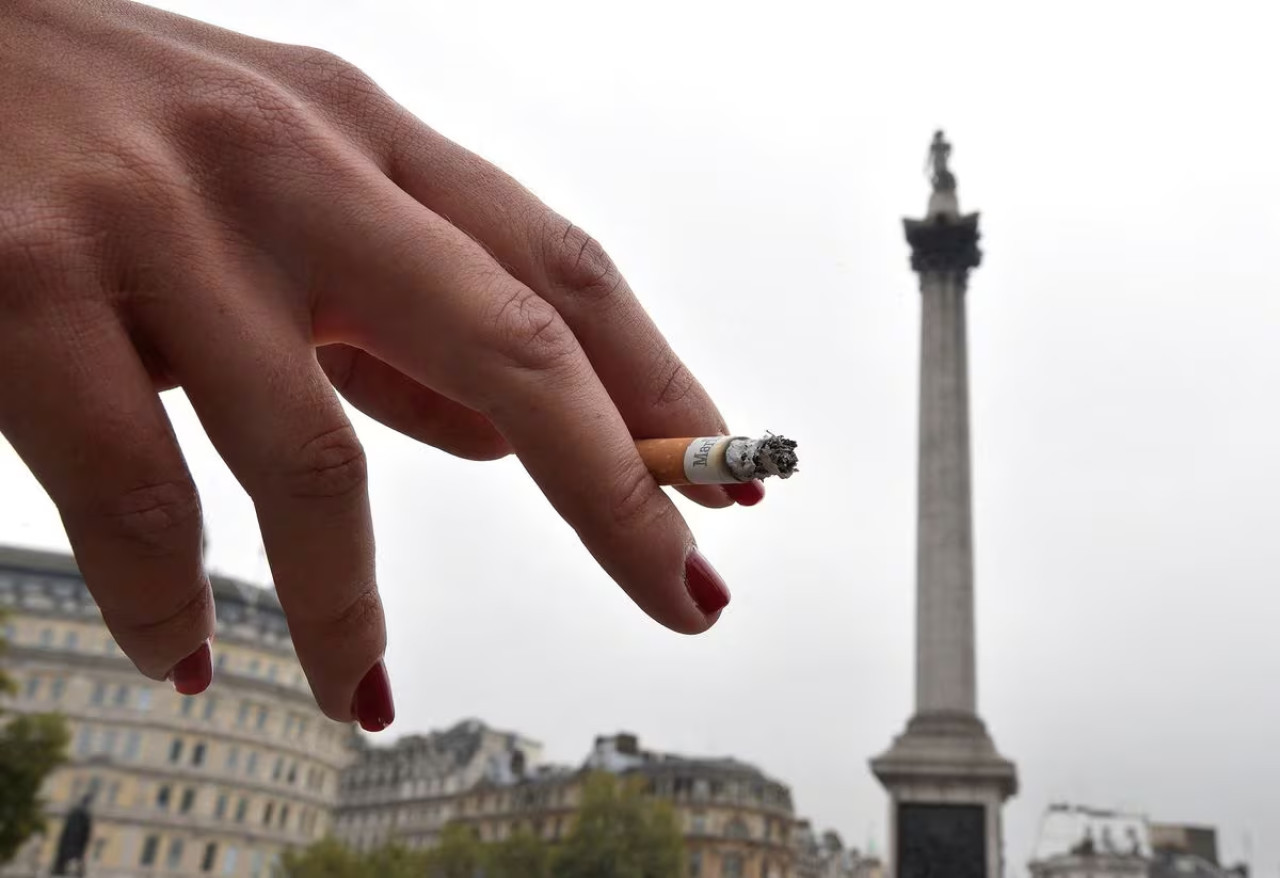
(944,540)
(946,781)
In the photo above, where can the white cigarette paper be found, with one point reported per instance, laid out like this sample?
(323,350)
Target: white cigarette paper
(718,460)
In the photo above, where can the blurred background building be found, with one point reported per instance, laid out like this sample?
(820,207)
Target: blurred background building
(222,783)
(1081,842)
(217,784)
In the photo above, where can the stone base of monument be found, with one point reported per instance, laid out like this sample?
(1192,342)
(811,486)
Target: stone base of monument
(946,785)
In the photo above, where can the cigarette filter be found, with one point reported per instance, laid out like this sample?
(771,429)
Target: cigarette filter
(718,460)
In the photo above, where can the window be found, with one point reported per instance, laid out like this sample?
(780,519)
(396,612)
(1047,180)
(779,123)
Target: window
(262,717)
(33,687)
(210,705)
(197,754)
(256,861)
(293,773)
(220,809)
(99,693)
(108,743)
(188,703)
(84,740)
(72,640)
(736,828)
(210,857)
(732,866)
(122,695)
(149,849)
(278,768)
(132,746)
(144,700)
(695,864)
(698,824)
(46,637)
(113,792)
(267,813)
(271,672)
(162,798)
(243,715)
(174,860)
(56,688)
(188,800)
(175,750)
(99,845)
(251,767)
(254,665)
(229,862)
(242,807)
(284,816)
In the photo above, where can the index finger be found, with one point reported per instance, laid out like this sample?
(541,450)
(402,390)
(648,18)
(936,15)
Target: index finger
(657,395)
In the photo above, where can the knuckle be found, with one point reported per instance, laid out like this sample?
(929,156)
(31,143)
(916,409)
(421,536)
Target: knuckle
(241,109)
(335,77)
(330,465)
(632,503)
(531,334)
(153,519)
(37,238)
(674,384)
(577,265)
(360,612)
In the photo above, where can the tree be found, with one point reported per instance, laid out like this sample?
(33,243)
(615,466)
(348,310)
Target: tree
(31,746)
(521,855)
(324,859)
(620,833)
(458,855)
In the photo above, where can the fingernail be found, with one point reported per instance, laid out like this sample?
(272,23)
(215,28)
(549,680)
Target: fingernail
(193,674)
(372,704)
(745,493)
(705,585)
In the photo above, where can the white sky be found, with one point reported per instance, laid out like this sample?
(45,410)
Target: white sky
(747,165)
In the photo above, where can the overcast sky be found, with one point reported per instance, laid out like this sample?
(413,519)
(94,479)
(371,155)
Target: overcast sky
(748,165)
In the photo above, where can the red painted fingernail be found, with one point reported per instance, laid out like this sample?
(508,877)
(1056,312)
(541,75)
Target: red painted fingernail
(193,674)
(372,704)
(745,493)
(705,585)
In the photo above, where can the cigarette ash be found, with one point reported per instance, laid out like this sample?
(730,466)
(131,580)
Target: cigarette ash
(775,456)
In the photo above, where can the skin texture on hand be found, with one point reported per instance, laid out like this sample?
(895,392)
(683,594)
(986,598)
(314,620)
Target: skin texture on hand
(260,225)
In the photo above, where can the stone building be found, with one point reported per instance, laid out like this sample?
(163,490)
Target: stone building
(736,822)
(1082,842)
(406,792)
(825,856)
(216,784)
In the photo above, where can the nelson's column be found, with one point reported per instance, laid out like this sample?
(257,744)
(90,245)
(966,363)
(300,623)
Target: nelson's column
(946,782)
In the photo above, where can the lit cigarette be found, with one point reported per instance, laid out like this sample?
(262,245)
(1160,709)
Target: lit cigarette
(718,460)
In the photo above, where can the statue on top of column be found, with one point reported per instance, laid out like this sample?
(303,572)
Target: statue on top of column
(936,165)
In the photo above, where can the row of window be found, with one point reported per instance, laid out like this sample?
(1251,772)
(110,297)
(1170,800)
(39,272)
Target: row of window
(127,746)
(249,714)
(272,814)
(70,639)
(175,856)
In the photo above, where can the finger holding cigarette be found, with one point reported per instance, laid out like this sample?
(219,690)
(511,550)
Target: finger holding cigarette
(718,460)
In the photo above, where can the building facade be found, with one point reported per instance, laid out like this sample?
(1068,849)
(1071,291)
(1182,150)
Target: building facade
(736,822)
(406,793)
(218,784)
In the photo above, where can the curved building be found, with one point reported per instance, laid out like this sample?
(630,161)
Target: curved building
(218,784)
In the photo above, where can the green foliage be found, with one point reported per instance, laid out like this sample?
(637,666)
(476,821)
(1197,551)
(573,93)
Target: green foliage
(31,746)
(458,855)
(522,855)
(324,859)
(620,833)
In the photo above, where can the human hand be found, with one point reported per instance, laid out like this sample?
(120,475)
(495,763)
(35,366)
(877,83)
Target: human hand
(259,224)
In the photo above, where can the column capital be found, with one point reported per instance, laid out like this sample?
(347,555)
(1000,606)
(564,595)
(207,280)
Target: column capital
(944,242)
